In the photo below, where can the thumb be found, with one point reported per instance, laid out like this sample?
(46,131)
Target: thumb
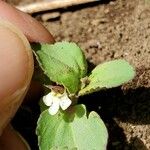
(12,140)
(16,68)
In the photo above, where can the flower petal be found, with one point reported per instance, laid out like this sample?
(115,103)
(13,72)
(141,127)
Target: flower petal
(54,107)
(65,102)
(48,99)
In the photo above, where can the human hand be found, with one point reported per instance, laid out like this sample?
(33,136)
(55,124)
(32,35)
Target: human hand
(16,65)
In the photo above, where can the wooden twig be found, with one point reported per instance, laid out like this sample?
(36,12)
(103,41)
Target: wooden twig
(51,4)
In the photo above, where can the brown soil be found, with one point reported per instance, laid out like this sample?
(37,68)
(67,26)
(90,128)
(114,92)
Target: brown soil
(106,31)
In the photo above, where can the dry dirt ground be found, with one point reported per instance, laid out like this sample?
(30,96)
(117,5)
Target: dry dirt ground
(109,30)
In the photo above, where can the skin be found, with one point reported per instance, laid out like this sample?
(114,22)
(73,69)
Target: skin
(16,67)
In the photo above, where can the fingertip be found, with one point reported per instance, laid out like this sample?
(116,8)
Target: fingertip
(16,69)
(16,62)
(34,31)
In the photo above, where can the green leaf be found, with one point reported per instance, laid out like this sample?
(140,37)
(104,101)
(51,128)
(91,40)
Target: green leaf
(62,148)
(63,62)
(71,130)
(108,75)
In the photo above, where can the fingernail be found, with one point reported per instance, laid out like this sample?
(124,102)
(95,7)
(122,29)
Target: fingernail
(16,68)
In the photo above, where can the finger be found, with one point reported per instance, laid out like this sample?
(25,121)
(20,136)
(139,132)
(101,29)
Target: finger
(34,31)
(11,140)
(16,69)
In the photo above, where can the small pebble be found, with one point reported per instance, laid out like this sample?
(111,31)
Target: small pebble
(48,16)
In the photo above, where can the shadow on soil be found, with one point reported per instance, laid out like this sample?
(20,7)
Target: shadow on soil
(25,122)
(131,106)
(72,8)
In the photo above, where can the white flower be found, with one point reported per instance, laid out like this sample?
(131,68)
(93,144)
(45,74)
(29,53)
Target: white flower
(55,101)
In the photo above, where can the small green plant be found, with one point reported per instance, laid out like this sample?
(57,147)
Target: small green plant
(63,124)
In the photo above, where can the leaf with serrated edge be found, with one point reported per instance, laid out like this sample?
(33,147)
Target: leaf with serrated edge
(63,62)
(107,75)
(72,130)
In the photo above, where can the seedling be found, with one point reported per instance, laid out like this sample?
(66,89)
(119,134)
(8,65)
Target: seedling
(63,124)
